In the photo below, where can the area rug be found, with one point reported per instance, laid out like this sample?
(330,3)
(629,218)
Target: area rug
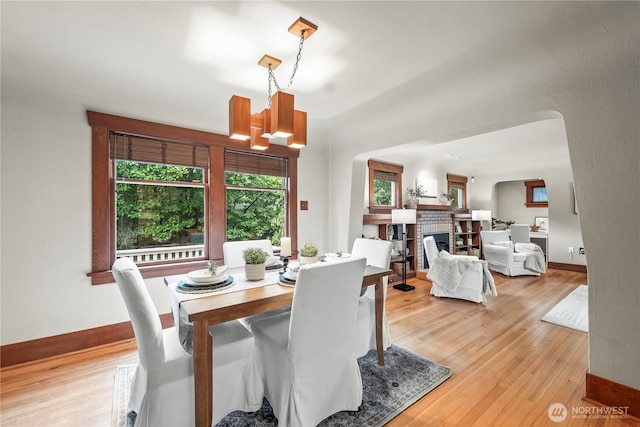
(572,311)
(387,391)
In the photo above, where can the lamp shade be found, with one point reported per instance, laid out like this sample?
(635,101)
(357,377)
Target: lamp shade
(299,137)
(239,118)
(481,215)
(257,141)
(282,115)
(403,216)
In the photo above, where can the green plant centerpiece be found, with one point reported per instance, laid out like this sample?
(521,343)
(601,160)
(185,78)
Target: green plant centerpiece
(450,196)
(212,267)
(415,194)
(498,224)
(254,259)
(308,253)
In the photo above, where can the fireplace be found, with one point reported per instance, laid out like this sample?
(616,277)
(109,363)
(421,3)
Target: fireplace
(442,243)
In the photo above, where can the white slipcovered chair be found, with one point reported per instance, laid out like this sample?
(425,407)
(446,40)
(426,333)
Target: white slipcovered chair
(520,233)
(162,393)
(470,286)
(499,252)
(232,251)
(307,357)
(378,254)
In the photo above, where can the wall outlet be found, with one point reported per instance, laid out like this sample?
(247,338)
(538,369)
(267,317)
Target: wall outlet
(581,251)
(571,249)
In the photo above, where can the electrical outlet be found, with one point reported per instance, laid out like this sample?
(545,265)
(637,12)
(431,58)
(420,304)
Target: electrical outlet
(571,249)
(581,251)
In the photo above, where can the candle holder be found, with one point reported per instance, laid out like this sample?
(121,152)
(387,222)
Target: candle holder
(285,262)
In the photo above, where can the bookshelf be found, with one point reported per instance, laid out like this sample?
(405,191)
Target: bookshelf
(466,235)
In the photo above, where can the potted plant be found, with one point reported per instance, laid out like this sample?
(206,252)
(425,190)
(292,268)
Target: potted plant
(450,196)
(414,196)
(254,259)
(308,253)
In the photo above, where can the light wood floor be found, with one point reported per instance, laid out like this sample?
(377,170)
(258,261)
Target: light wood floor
(508,366)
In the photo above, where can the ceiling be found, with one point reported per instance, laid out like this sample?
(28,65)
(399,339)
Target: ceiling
(194,55)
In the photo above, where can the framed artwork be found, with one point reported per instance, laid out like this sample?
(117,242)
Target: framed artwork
(543,224)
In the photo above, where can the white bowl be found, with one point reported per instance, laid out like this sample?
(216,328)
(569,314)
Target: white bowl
(204,275)
(272,260)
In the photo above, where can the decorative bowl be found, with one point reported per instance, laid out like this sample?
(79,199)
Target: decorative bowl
(204,275)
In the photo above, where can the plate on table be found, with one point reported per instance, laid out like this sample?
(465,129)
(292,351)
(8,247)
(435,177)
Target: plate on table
(276,266)
(284,280)
(204,276)
(290,275)
(188,286)
(333,256)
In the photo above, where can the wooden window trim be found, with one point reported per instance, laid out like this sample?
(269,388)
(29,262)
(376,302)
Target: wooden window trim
(458,181)
(103,203)
(530,185)
(385,167)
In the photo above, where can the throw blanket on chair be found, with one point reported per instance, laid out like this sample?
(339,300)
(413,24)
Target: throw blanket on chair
(447,271)
(535,257)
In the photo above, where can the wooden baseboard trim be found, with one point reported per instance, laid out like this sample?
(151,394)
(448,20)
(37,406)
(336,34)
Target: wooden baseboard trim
(567,267)
(601,391)
(28,351)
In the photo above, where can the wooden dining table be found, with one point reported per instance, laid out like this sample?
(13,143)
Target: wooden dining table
(211,309)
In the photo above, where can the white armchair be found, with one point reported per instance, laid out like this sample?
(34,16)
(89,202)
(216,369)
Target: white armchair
(470,286)
(499,253)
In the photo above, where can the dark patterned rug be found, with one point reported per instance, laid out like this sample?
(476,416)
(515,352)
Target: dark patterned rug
(387,391)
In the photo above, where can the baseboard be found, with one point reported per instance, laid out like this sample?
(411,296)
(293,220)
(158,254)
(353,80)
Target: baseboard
(601,391)
(28,351)
(567,267)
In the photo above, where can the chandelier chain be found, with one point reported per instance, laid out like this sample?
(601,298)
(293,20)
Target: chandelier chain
(272,76)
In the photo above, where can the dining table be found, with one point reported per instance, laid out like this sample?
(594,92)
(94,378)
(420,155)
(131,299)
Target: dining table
(244,298)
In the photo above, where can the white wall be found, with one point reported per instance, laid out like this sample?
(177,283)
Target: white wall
(593,82)
(46,216)
(510,198)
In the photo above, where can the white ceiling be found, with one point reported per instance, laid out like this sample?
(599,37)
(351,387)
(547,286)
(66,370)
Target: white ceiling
(195,55)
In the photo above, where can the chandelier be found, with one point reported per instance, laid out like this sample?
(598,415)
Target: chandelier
(279,119)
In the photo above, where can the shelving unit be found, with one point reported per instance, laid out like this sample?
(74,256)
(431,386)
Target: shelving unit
(466,235)
(383,221)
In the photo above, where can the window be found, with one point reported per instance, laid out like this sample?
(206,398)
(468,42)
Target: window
(536,194)
(159,196)
(385,186)
(457,185)
(256,196)
(156,188)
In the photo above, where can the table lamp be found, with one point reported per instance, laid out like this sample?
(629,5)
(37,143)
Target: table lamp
(404,217)
(481,215)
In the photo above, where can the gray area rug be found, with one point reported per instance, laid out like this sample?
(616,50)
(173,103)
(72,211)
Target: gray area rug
(572,312)
(387,391)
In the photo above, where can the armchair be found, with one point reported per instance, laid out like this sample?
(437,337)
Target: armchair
(470,287)
(499,253)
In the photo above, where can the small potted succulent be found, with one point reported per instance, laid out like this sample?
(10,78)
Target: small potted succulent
(254,259)
(308,254)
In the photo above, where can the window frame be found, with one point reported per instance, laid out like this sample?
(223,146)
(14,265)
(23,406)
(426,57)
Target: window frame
(103,192)
(375,165)
(460,182)
(530,185)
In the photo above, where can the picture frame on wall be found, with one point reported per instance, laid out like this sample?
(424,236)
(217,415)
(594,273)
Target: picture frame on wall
(542,222)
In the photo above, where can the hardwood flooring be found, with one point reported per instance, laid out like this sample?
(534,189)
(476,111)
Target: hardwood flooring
(508,365)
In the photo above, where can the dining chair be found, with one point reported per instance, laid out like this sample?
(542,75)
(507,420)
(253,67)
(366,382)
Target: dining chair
(162,393)
(232,251)
(378,254)
(307,357)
